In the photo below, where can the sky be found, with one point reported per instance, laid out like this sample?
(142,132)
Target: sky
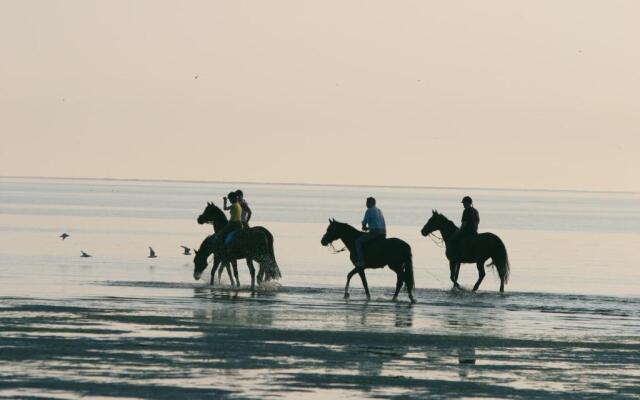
(493,93)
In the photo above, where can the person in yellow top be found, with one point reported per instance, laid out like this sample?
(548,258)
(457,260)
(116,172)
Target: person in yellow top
(235,221)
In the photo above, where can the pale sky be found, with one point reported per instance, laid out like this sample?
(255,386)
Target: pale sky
(477,93)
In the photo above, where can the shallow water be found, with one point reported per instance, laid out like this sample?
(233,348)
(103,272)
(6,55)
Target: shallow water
(120,325)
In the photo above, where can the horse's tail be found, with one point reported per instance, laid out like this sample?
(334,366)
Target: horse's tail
(275,269)
(501,260)
(408,273)
(271,268)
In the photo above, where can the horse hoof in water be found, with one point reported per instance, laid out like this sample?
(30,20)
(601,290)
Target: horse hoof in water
(368,298)
(346,295)
(394,299)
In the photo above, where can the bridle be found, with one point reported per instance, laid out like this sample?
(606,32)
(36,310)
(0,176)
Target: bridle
(333,250)
(439,241)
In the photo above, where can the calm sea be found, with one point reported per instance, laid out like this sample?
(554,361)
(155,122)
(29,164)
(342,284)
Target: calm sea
(122,325)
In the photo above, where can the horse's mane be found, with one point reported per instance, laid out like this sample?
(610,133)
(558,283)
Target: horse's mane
(447,220)
(346,225)
(218,214)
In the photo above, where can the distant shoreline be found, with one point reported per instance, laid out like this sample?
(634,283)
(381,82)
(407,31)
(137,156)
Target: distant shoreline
(317,184)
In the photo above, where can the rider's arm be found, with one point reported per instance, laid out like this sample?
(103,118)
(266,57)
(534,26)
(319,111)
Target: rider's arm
(225,206)
(245,207)
(465,219)
(365,220)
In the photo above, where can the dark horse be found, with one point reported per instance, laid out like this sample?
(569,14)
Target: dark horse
(393,252)
(484,246)
(252,244)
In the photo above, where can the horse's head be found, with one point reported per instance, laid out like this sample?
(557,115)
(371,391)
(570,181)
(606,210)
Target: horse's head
(332,233)
(434,223)
(200,259)
(212,214)
(208,214)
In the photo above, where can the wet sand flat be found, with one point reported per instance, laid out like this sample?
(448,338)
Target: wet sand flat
(310,343)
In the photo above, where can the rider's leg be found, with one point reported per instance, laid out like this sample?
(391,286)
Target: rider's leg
(360,243)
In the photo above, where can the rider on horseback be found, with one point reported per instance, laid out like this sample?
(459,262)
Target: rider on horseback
(246,211)
(235,221)
(468,229)
(374,224)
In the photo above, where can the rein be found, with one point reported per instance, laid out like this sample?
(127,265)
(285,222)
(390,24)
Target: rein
(437,240)
(333,250)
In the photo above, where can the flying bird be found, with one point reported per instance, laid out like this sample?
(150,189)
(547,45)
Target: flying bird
(84,255)
(152,254)
(64,236)
(187,251)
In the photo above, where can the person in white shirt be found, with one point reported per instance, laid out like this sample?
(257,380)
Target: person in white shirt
(374,226)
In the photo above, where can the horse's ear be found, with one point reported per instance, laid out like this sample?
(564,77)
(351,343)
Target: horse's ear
(195,251)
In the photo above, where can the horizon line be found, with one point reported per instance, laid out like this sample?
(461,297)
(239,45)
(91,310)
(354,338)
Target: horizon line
(319,184)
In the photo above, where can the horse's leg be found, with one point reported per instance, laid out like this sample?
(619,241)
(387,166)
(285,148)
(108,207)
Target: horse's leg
(260,272)
(214,267)
(228,266)
(234,263)
(346,288)
(252,271)
(220,273)
(457,271)
(481,275)
(399,283)
(364,282)
(452,269)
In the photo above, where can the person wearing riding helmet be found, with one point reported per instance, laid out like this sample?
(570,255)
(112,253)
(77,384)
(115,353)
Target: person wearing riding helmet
(468,228)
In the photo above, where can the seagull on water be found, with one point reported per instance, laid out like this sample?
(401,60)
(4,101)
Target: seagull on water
(187,251)
(85,255)
(64,236)
(152,254)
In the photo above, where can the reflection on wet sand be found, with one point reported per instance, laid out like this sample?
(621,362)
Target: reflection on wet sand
(296,342)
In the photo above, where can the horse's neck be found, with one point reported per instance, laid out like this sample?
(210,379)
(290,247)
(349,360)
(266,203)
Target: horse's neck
(218,225)
(207,247)
(219,221)
(349,237)
(448,230)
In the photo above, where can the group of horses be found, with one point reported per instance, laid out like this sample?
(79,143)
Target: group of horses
(256,244)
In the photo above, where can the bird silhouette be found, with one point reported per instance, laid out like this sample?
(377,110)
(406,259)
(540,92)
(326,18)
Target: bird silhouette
(84,255)
(64,236)
(152,254)
(187,251)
